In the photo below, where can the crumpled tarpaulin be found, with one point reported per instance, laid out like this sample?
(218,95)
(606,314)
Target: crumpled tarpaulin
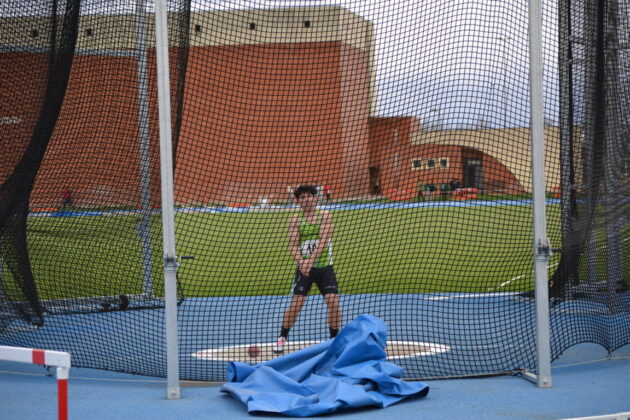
(349,371)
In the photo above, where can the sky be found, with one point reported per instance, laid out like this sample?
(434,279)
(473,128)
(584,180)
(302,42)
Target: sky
(451,63)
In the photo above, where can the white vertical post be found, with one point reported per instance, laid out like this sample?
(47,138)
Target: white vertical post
(542,248)
(168,211)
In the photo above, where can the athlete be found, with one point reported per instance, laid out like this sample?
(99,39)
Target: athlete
(310,244)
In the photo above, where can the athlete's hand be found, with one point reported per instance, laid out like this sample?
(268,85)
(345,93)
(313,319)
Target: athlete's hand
(305,267)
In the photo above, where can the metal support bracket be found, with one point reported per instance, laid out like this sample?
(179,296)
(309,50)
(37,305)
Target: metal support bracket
(543,249)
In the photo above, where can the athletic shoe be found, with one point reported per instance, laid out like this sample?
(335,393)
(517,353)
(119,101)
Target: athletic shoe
(278,348)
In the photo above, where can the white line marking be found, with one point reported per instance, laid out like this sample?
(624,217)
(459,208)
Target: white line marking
(505,283)
(236,352)
(470,295)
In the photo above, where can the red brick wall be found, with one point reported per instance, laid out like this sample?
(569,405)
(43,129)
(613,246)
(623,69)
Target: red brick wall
(259,117)
(497,179)
(384,148)
(20,74)
(438,175)
(390,142)
(355,129)
(95,147)
(256,118)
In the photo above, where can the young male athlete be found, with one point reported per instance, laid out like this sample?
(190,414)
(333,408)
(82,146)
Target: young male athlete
(310,244)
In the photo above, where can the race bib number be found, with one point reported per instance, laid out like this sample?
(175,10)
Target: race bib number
(308,247)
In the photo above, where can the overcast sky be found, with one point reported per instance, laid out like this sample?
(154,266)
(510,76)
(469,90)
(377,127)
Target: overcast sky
(454,63)
(449,62)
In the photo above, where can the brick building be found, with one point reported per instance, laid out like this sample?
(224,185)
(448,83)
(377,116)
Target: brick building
(272,98)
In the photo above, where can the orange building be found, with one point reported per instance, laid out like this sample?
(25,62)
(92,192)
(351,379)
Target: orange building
(269,101)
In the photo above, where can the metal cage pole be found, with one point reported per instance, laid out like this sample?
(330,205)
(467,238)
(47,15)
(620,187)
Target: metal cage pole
(168,211)
(542,248)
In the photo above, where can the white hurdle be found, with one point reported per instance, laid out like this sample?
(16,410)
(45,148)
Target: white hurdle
(48,358)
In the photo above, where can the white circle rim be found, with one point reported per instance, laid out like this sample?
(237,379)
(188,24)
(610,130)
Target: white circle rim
(218,354)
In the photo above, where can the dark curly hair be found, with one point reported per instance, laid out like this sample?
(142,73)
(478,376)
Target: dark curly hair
(311,189)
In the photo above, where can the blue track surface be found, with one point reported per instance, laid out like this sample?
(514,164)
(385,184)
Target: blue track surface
(476,328)
(348,206)
(579,389)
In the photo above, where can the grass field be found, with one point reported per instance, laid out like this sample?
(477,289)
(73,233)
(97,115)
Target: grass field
(465,249)
(427,249)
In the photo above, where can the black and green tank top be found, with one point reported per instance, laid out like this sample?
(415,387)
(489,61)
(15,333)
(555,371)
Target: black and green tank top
(309,239)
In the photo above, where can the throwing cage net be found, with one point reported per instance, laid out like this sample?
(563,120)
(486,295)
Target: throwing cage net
(593,272)
(411,121)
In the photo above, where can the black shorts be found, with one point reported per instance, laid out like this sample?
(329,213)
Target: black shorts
(323,277)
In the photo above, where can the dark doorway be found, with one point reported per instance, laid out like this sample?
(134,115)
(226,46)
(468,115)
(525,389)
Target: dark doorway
(375,180)
(473,173)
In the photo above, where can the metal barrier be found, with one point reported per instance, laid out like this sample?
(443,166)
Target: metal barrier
(48,358)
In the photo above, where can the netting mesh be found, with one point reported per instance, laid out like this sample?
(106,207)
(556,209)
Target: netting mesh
(410,120)
(593,274)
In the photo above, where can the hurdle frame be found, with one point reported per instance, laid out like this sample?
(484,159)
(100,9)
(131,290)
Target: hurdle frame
(59,359)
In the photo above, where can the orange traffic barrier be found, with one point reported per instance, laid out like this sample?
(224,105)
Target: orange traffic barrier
(44,209)
(557,191)
(465,193)
(401,195)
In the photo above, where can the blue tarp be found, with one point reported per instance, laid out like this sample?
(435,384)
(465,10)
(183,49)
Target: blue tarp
(349,371)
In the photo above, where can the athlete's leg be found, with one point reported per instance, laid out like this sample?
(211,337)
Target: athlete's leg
(326,281)
(334,311)
(290,316)
(292,312)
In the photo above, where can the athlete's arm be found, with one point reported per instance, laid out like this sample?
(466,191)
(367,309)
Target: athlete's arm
(325,233)
(294,238)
